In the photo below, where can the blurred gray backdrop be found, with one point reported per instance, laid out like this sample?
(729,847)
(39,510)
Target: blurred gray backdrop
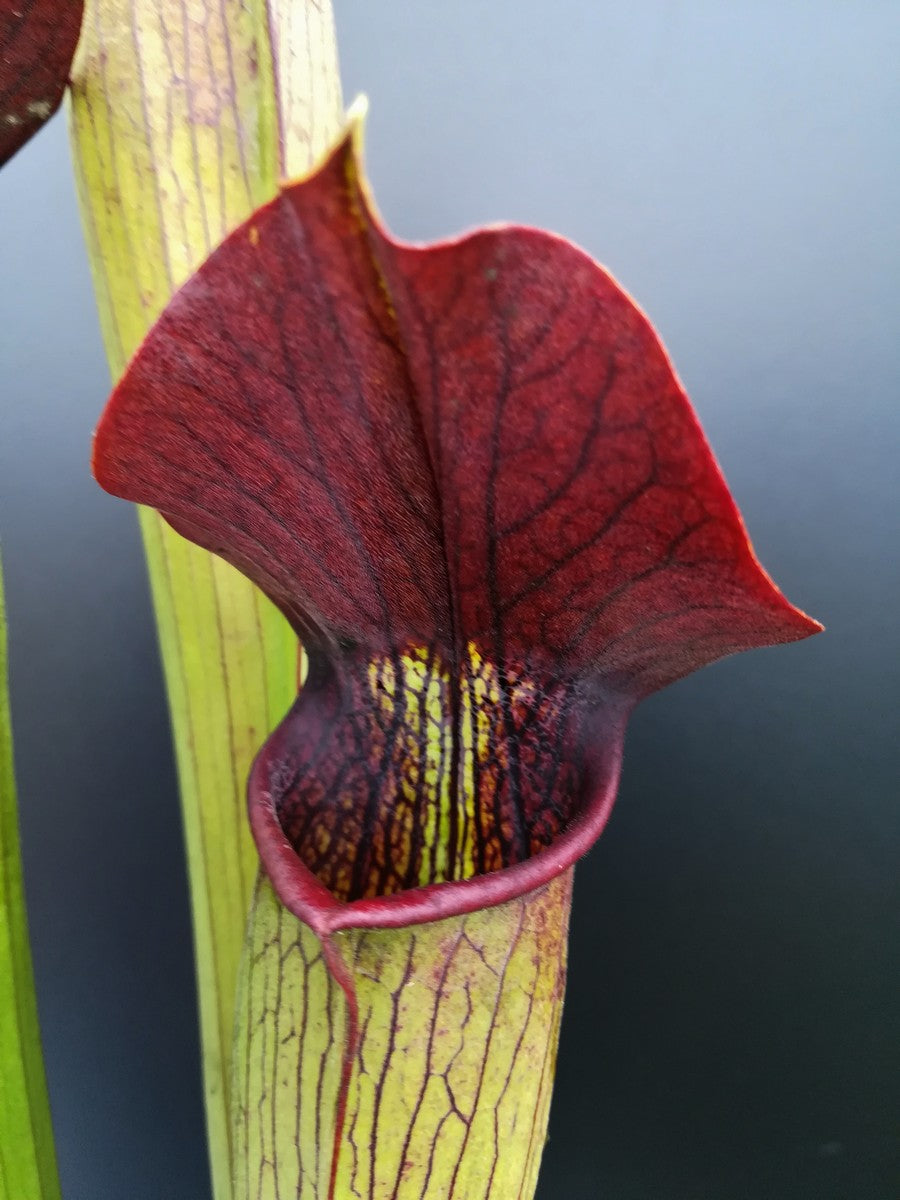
(731,1026)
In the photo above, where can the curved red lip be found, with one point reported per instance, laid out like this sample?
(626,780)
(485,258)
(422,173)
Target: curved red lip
(477,452)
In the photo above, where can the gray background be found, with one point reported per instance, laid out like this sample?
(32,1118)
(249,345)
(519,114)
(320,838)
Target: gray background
(731,1025)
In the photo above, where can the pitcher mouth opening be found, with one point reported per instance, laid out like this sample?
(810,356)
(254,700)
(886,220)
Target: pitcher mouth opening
(400,790)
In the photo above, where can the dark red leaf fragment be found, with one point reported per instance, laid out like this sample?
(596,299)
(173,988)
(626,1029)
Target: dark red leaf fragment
(37,44)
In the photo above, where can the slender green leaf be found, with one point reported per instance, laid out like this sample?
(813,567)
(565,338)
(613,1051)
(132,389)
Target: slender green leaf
(27,1158)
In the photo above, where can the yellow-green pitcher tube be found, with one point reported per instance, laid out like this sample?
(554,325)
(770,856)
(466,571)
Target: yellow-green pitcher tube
(446,1094)
(183,116)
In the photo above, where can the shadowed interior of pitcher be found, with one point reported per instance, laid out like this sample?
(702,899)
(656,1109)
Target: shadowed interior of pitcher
(401,771)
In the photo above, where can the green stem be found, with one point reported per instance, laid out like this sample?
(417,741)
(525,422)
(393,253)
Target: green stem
(183,115)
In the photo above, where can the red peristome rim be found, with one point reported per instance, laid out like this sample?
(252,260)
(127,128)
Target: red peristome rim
(311,902)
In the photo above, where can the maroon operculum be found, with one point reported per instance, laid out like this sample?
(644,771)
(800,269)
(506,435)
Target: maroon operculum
(482,436)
